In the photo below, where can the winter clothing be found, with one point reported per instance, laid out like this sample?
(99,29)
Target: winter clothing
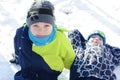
(41,12)
(42,62)
(99,33)
(93,62)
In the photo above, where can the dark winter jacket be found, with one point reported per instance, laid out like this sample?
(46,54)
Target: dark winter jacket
(89,64)
(35,66)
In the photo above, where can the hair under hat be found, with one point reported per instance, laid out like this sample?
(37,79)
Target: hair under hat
(99,33)
(41,12)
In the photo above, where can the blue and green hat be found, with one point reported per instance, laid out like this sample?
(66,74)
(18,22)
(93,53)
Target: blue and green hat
(99,33)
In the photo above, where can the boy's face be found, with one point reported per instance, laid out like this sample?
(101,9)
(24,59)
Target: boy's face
(96,39)
(41,29)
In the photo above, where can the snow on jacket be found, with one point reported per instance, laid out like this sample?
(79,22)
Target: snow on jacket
(42,62)
(93,61)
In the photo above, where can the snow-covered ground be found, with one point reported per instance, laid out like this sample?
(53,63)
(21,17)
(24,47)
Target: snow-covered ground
(85,15)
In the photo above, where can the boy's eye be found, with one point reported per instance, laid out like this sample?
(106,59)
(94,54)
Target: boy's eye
(35,25)
(100,38)
(97,37)
(93,36)
(46,26)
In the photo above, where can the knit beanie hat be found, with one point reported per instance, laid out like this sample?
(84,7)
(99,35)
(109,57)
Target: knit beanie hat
(41,12)
(99,33)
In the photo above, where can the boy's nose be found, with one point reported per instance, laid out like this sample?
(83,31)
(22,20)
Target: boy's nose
(95,40)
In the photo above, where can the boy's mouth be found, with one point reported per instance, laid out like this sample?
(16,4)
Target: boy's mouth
(40,36)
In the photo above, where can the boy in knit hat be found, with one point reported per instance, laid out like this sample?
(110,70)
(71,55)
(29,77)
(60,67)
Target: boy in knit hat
(97,37)
(43,50)
(95,60)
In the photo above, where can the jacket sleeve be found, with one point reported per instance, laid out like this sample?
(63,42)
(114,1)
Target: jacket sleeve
(76,39)
(116,53)
(16,39)
(69,56)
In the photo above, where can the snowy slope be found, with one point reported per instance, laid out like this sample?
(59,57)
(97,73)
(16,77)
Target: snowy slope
(86,15)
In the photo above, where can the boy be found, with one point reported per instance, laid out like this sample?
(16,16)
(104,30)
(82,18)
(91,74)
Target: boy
(95,59)
(43,50)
